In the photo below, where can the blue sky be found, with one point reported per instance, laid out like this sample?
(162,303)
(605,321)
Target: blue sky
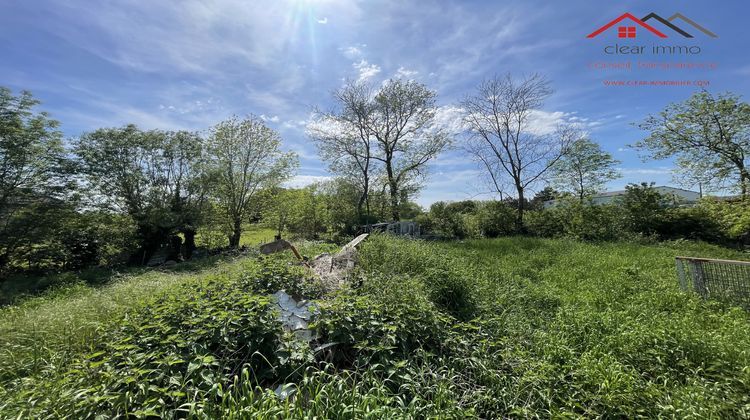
(189,64)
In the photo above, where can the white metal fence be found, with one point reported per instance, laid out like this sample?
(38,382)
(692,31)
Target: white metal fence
(725,280)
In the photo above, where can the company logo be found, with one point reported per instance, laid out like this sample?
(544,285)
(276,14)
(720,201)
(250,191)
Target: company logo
(627,30)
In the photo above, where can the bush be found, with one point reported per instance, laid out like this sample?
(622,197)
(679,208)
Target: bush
(577,220)
(496,218)
(445,282)
(166,358)
(469,219)
(447,219)
(690,223)
(732,217)
(389,318)
(644,209)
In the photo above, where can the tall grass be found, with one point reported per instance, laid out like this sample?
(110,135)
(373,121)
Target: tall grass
(512,327)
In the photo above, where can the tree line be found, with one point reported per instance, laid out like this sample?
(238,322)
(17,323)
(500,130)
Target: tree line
(125,187)
(125,190)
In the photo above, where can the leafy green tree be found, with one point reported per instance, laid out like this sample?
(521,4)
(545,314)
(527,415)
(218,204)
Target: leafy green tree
(279,209)
(153,176)
(309,216)
(34,172)
(546,194)
(732,216)
(580,220)
(448,219)
(709,137)
(644,208)
(584,169)
(245,158)
(341,198)
(495,218)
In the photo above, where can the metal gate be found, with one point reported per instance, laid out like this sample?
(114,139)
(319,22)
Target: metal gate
(725,280)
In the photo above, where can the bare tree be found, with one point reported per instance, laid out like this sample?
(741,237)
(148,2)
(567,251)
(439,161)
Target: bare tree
(245,158)
(499,118)
(394,127)
(344,141)
(407,136)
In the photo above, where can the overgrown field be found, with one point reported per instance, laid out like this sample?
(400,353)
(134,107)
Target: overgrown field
(512,327)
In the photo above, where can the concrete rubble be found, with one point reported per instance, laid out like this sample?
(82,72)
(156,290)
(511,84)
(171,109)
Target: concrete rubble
(295,315)
(333,270)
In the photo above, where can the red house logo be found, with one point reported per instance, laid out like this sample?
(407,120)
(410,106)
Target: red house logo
(628,29)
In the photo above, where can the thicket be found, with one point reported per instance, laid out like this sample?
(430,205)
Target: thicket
(640,213)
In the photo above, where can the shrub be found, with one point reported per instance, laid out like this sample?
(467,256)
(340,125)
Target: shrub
(571,218)
(175,353)
(447,283)
(496,218)
(379,325)
(447,219)
(733,217)
(690,223)
(644,209)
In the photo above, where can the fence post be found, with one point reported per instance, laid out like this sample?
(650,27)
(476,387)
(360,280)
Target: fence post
(681,277)
(700,278)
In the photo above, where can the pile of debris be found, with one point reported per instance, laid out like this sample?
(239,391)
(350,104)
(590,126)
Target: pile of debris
(332,269)
(295,315)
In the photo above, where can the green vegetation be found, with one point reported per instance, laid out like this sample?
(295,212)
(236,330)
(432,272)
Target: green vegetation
(516,327)
(641,213)
(488,328)
(21,285)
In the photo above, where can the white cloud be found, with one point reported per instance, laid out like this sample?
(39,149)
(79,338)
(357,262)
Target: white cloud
(366,70)
(323,126)
(546,122)
(646,171)
(352,52)
(404,73)
(192,107)
(323,21)
(273,119)
(451,119)
(301,181)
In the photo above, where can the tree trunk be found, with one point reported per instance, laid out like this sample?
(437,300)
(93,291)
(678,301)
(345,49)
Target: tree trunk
(364,200)
(581,192)
(175,245)
(395,213)
(519,212)
(234,239)
(744,182)
(189,245)
(4,261)
(144,253)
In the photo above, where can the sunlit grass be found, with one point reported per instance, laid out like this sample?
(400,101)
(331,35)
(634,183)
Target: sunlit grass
(511,327)
(254,235)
